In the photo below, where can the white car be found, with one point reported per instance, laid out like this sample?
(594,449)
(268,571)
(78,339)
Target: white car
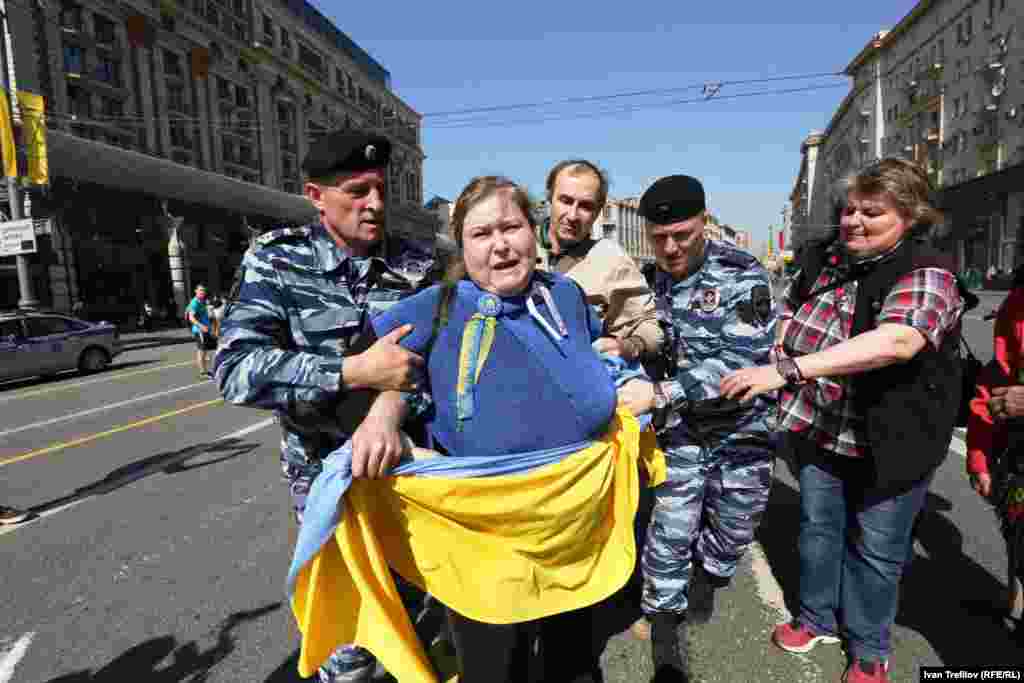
(33,343)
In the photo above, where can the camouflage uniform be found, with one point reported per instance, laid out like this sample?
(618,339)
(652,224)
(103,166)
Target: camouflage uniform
(719,456)
(298,304)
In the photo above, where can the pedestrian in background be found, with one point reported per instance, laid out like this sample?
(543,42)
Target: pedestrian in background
(870,371)
(198,314)
(715,305)
(995,442)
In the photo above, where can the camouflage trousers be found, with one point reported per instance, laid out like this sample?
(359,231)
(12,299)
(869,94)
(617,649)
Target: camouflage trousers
(706,511)
(348,663)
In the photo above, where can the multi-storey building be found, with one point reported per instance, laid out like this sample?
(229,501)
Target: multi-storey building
(176,130)
(944,87)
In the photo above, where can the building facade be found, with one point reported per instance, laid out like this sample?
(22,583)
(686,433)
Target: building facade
(621,221)
(945,88)
(176,131)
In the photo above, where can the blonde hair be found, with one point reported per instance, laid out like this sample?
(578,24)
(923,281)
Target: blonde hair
(904,182)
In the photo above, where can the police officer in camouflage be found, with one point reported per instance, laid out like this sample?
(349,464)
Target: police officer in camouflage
(289,338)
(715,304)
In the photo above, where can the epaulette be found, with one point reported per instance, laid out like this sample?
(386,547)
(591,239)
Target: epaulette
(283,234)
(734,256)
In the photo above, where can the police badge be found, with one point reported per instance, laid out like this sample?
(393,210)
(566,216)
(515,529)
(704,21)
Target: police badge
(710,298)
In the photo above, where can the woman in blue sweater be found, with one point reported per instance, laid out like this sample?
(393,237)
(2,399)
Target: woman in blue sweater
(510,368)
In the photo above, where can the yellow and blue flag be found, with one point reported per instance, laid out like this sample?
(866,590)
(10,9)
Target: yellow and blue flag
(501,540)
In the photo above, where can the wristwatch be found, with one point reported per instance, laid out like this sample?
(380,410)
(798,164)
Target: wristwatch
(790,372)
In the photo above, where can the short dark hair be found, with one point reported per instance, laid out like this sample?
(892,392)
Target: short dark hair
(578,167)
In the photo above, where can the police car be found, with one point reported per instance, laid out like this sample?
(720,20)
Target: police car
(35,343)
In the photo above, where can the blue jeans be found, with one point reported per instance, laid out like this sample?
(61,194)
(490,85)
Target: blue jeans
(853,547)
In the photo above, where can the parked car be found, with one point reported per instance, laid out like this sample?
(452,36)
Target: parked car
(34,343)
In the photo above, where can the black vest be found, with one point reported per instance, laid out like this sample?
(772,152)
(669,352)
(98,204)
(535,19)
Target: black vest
(910,408)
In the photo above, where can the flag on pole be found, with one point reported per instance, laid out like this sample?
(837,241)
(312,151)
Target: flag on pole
(33,132)
(10,152)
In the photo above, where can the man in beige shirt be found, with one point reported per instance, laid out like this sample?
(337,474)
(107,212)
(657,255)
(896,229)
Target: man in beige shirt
(576,192)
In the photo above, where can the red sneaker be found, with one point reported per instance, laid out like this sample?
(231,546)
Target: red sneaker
(796,637)
(864,671)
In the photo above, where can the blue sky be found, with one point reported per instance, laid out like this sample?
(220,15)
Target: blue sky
(454,55)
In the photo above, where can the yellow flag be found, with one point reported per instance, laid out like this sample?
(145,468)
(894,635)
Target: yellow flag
(10,152)
(34,135)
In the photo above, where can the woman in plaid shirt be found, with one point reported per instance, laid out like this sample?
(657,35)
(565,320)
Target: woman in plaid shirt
(836,363)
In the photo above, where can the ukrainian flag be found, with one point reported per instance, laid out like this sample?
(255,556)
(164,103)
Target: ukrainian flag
(498,539)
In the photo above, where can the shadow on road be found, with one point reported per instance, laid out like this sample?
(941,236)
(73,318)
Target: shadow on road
(162,660)
(945,596)
(168,463)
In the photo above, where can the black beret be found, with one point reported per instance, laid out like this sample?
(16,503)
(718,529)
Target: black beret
(346,150)
(672,199)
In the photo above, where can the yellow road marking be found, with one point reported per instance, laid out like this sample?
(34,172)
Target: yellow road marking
(109,432)
(110,378)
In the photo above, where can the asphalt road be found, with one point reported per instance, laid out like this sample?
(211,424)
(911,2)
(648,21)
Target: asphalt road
(160,546)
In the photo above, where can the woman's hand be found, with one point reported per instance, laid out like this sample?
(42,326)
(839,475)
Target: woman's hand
(982,483)
(748,383)
(377,446)
(637,396)
(1006,403)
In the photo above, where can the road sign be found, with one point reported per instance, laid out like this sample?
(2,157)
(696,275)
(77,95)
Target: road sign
(17,237)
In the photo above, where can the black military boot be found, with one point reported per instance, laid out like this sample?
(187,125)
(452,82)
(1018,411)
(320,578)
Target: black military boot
(669,650)
(701,594)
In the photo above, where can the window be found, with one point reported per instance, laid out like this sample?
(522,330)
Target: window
(242,96)
(310,59)
(286,42)
(44,327)
(314,131)
(245,156)
(176,98)
(112,107)
(288,166)
(284,113)
(239,7)
(104,30)
(172,65)
(179,137)
(79,102)
(223,89)
(108,70)
(167,23)
(71,16)
(228,151)
(72,59)
(212,15)
(339,80)
(268,30)
(968,28)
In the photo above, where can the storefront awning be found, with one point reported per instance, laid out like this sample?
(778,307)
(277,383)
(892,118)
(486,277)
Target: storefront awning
(95,162)
(979,191)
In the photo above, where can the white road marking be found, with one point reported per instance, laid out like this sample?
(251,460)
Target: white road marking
(93,411)
(9,660)
(133,476)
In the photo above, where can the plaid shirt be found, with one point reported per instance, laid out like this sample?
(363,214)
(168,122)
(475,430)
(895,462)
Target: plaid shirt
(926,299)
